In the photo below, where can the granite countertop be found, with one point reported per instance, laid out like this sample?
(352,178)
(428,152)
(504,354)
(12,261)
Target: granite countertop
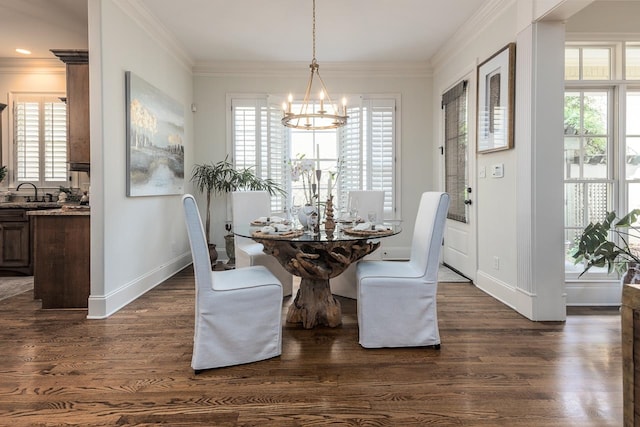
(65,211)
(29,205)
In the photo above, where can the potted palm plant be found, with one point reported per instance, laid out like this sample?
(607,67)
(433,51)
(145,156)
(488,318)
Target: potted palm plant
(220,178)
(610,244)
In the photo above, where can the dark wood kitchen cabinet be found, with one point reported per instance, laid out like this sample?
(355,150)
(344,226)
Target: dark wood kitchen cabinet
(78,140)
(15,242)
(61,265)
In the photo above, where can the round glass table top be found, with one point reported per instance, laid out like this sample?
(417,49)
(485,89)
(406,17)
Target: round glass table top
(342,232)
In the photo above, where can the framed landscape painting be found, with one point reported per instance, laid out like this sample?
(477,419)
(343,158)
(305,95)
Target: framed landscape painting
(155,131)
(496,98)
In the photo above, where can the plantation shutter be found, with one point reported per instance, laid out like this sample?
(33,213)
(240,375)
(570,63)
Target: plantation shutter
(277,153)
(40,132)
(381,156)
(259,143)
(27,136)
(367,150)
(245,123)
(55,141)
(351,155)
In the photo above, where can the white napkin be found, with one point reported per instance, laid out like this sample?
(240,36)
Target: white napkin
(275,228)
(277,219)
(363,226)
(267,229)
(381,227)
(281,228)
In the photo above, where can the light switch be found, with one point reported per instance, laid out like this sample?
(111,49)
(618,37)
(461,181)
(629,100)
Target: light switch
(482,173)
(497,171)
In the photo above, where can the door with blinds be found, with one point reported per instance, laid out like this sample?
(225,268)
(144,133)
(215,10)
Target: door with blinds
(459,251)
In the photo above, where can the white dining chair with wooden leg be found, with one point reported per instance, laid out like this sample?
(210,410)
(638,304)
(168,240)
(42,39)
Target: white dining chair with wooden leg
(367,201)
(238,313)
(248,206)
(397,300)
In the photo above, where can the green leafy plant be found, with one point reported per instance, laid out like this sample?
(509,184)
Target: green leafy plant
(606,243)
(222,177)
(3,173)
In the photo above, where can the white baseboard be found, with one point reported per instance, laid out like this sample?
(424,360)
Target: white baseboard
(103,306)
(601,293)
(525,303)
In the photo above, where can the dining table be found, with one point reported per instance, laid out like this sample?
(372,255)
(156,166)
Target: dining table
(316,257)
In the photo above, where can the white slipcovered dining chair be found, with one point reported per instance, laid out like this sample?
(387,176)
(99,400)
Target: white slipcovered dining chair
(237,312)
(248,206)
(397,300)
(367,201)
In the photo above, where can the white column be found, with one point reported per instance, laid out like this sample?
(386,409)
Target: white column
(540,189)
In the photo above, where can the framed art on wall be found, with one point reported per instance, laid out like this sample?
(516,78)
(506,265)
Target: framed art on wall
(496,98)
(155,131)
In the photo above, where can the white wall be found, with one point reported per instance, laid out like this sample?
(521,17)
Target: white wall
(529,247)
(136,242)
(606,17)
(494,199)
(417,147)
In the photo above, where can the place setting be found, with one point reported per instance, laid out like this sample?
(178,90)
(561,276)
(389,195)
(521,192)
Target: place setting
(274,227)
(367,228)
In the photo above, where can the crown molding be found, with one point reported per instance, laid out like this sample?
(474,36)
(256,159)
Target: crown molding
(298,69)
(480,20)
(139,13)
(31,66)
(601,37)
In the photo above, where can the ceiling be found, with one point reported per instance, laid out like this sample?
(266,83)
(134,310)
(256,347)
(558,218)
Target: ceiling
(255,30)
(40,25)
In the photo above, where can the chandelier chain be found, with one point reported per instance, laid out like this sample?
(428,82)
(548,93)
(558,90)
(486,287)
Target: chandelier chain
(327,116)
(314,30)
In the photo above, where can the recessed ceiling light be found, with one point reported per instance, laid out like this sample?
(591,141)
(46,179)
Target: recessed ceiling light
(23,51)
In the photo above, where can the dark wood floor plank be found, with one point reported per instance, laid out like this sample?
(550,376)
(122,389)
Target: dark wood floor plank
(495,368)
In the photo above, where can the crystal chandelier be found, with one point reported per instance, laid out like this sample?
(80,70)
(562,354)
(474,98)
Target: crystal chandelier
(327,116)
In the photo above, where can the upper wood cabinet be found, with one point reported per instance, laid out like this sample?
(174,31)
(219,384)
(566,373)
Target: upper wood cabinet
(78,141)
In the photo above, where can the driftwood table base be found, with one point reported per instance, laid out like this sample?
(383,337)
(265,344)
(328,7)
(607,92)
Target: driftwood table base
(315,305)
(316,262)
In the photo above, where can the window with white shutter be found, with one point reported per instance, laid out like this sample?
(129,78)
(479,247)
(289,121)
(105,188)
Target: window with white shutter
(40,140)
(259,143)
(364,151)
(368,151)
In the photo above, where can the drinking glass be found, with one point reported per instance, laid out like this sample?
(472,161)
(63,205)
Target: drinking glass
(372,217)
(353,211)
(312,221)
(295,209)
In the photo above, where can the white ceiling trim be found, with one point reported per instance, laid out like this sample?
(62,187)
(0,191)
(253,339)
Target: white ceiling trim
(152,26)
(602,37)
(488,13)
(297,69)
(32,66)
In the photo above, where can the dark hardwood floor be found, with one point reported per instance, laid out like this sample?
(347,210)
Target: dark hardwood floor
(495,368)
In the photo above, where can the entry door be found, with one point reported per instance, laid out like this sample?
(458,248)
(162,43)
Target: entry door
(459,251)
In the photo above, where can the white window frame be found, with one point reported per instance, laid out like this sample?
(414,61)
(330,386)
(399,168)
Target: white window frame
(618,87)
(42,182)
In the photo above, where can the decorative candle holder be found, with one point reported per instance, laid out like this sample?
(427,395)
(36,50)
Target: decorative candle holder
(329,223)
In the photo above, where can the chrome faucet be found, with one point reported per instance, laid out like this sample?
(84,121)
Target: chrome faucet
(35,191)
